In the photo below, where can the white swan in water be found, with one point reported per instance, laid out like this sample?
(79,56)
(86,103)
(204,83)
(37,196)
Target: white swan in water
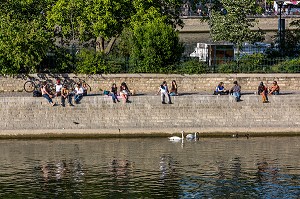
(192,136)
(176,138)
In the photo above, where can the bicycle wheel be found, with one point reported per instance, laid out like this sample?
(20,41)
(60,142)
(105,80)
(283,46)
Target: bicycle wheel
(88,87)
(29,86)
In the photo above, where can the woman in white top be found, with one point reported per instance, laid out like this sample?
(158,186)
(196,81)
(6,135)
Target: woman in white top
(78,93)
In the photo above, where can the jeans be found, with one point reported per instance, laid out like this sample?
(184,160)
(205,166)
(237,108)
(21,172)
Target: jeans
(237,95)
(164,95)
(78,97)
(64,99)
(114,97)
(48,98)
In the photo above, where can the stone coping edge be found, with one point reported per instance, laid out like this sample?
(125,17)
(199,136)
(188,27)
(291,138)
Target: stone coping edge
(143,133)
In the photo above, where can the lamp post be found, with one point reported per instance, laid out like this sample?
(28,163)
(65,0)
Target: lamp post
(209,7)
(280,24)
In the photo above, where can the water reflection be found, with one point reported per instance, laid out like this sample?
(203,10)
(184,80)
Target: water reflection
(150,168)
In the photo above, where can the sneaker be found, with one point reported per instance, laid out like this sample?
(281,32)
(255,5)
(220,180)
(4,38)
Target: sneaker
(71,105)
(170,103)
(163,102)
(114,101)
(118,100)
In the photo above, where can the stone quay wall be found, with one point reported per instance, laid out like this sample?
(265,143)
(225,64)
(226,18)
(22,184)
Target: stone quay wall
(149,83)
(195,109)
(97,115)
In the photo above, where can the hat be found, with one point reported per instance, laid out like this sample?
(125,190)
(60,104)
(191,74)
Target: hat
(58,81)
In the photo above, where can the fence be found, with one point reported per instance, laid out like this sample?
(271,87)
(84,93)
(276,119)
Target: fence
(249,65)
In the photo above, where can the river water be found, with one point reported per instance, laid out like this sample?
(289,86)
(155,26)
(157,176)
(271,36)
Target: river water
(258,167)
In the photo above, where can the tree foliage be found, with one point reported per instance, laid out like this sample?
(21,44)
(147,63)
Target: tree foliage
(102,21)
(154,43)
(235,26)
(24,40)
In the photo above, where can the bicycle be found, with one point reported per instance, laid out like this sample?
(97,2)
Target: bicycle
(36,85)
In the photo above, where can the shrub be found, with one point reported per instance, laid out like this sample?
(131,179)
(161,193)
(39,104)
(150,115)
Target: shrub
(287,66)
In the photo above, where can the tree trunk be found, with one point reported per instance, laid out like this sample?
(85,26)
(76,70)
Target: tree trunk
(100,44)
(110,45)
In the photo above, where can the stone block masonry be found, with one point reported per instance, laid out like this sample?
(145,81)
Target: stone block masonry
(149,83)
(207,114)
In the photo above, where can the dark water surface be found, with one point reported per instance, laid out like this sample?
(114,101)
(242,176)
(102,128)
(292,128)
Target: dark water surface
(151,168)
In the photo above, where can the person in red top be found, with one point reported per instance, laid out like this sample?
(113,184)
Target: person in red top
(274,90)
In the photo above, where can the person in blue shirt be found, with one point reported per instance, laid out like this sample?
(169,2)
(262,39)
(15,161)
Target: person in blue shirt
(220,90)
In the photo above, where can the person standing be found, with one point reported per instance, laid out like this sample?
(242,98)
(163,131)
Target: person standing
(263,91)
(164,93)
(236,91)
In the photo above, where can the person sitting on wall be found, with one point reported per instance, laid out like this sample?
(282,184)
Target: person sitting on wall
(114,93)
(263,91)
(164,92)
(46,94)
(173,90)
(85,89)
(236,91)
(58,87)
(65,93)
(274,90)
(78,93)
(124,92)
(220,90)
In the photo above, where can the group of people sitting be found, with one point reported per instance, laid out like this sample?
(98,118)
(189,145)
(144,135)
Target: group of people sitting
(264,91)
(236,90)
(124,93)
(64,93)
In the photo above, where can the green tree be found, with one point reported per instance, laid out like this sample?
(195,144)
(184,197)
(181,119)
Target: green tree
(234,26)
(155,43)
(102,21)
(24,40)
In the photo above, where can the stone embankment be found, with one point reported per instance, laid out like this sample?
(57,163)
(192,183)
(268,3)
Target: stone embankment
(194,110)
(98,116)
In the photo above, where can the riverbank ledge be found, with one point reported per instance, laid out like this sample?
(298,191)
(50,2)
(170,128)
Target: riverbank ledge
(97,116)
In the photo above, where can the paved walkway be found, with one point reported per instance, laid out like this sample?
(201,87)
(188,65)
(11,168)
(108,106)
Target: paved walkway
(24,94)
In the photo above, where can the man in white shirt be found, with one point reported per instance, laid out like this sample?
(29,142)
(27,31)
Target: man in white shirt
(78,93)
(58,87)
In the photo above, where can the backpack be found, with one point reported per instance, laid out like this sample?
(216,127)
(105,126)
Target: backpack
(37,94)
